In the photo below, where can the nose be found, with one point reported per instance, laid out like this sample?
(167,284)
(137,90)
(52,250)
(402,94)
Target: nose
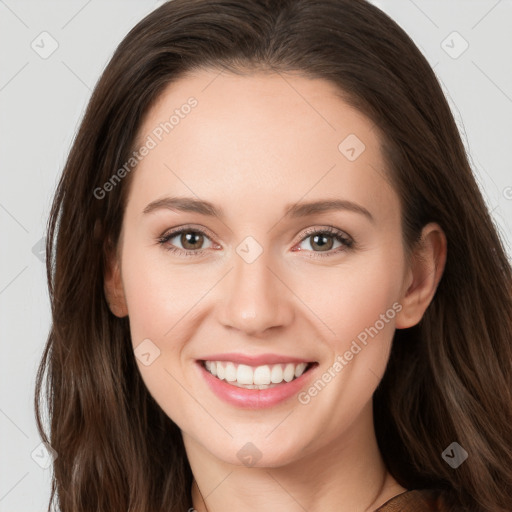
(257,297)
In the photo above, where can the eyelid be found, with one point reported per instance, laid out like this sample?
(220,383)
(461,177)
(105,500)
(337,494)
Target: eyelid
(331,230)
(187,227)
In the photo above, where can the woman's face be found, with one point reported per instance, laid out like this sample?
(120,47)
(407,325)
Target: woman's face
(256,288)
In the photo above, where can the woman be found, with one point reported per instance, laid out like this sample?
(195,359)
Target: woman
(203,353)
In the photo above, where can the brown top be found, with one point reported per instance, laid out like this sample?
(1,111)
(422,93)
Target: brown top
(414,501)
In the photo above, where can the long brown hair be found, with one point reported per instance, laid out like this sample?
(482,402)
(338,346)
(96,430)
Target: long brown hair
(449,378)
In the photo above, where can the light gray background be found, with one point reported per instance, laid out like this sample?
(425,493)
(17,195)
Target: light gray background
(42,101)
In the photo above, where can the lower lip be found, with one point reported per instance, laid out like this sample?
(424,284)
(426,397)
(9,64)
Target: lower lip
(255,398)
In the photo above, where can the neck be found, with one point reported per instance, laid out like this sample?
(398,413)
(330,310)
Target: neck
(345,474)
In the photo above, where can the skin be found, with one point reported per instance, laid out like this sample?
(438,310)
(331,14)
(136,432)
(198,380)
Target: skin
(254,144)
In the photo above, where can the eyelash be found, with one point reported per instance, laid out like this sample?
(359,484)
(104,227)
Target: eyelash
(347,242)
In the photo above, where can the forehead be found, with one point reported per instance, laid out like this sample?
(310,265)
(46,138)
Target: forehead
(270,137)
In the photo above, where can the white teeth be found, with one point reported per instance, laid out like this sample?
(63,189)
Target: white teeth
(230,372)
(299,370)
(289,372)
(260,377)
(276,375)
(244,374)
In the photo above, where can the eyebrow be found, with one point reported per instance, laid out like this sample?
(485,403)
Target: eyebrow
(297,210)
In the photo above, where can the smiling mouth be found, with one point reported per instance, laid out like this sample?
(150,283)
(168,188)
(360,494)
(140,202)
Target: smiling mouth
(256,377)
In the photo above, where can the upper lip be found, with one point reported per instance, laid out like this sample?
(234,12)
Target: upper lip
(252,360)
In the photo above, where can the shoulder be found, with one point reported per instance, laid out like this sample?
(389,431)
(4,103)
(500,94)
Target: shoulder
(426,500)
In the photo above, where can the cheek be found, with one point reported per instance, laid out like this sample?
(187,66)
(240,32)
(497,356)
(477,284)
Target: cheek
(360,303)
(360,307)
(158,293)
(351,297)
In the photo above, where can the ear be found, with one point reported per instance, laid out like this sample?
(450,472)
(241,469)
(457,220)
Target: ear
(113,284)
(426,269)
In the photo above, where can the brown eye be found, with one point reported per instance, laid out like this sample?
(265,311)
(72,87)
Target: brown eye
(323,240)
(191,240)
(185,240)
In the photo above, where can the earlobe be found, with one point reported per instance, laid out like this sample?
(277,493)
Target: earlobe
(113,287)
(427,266)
